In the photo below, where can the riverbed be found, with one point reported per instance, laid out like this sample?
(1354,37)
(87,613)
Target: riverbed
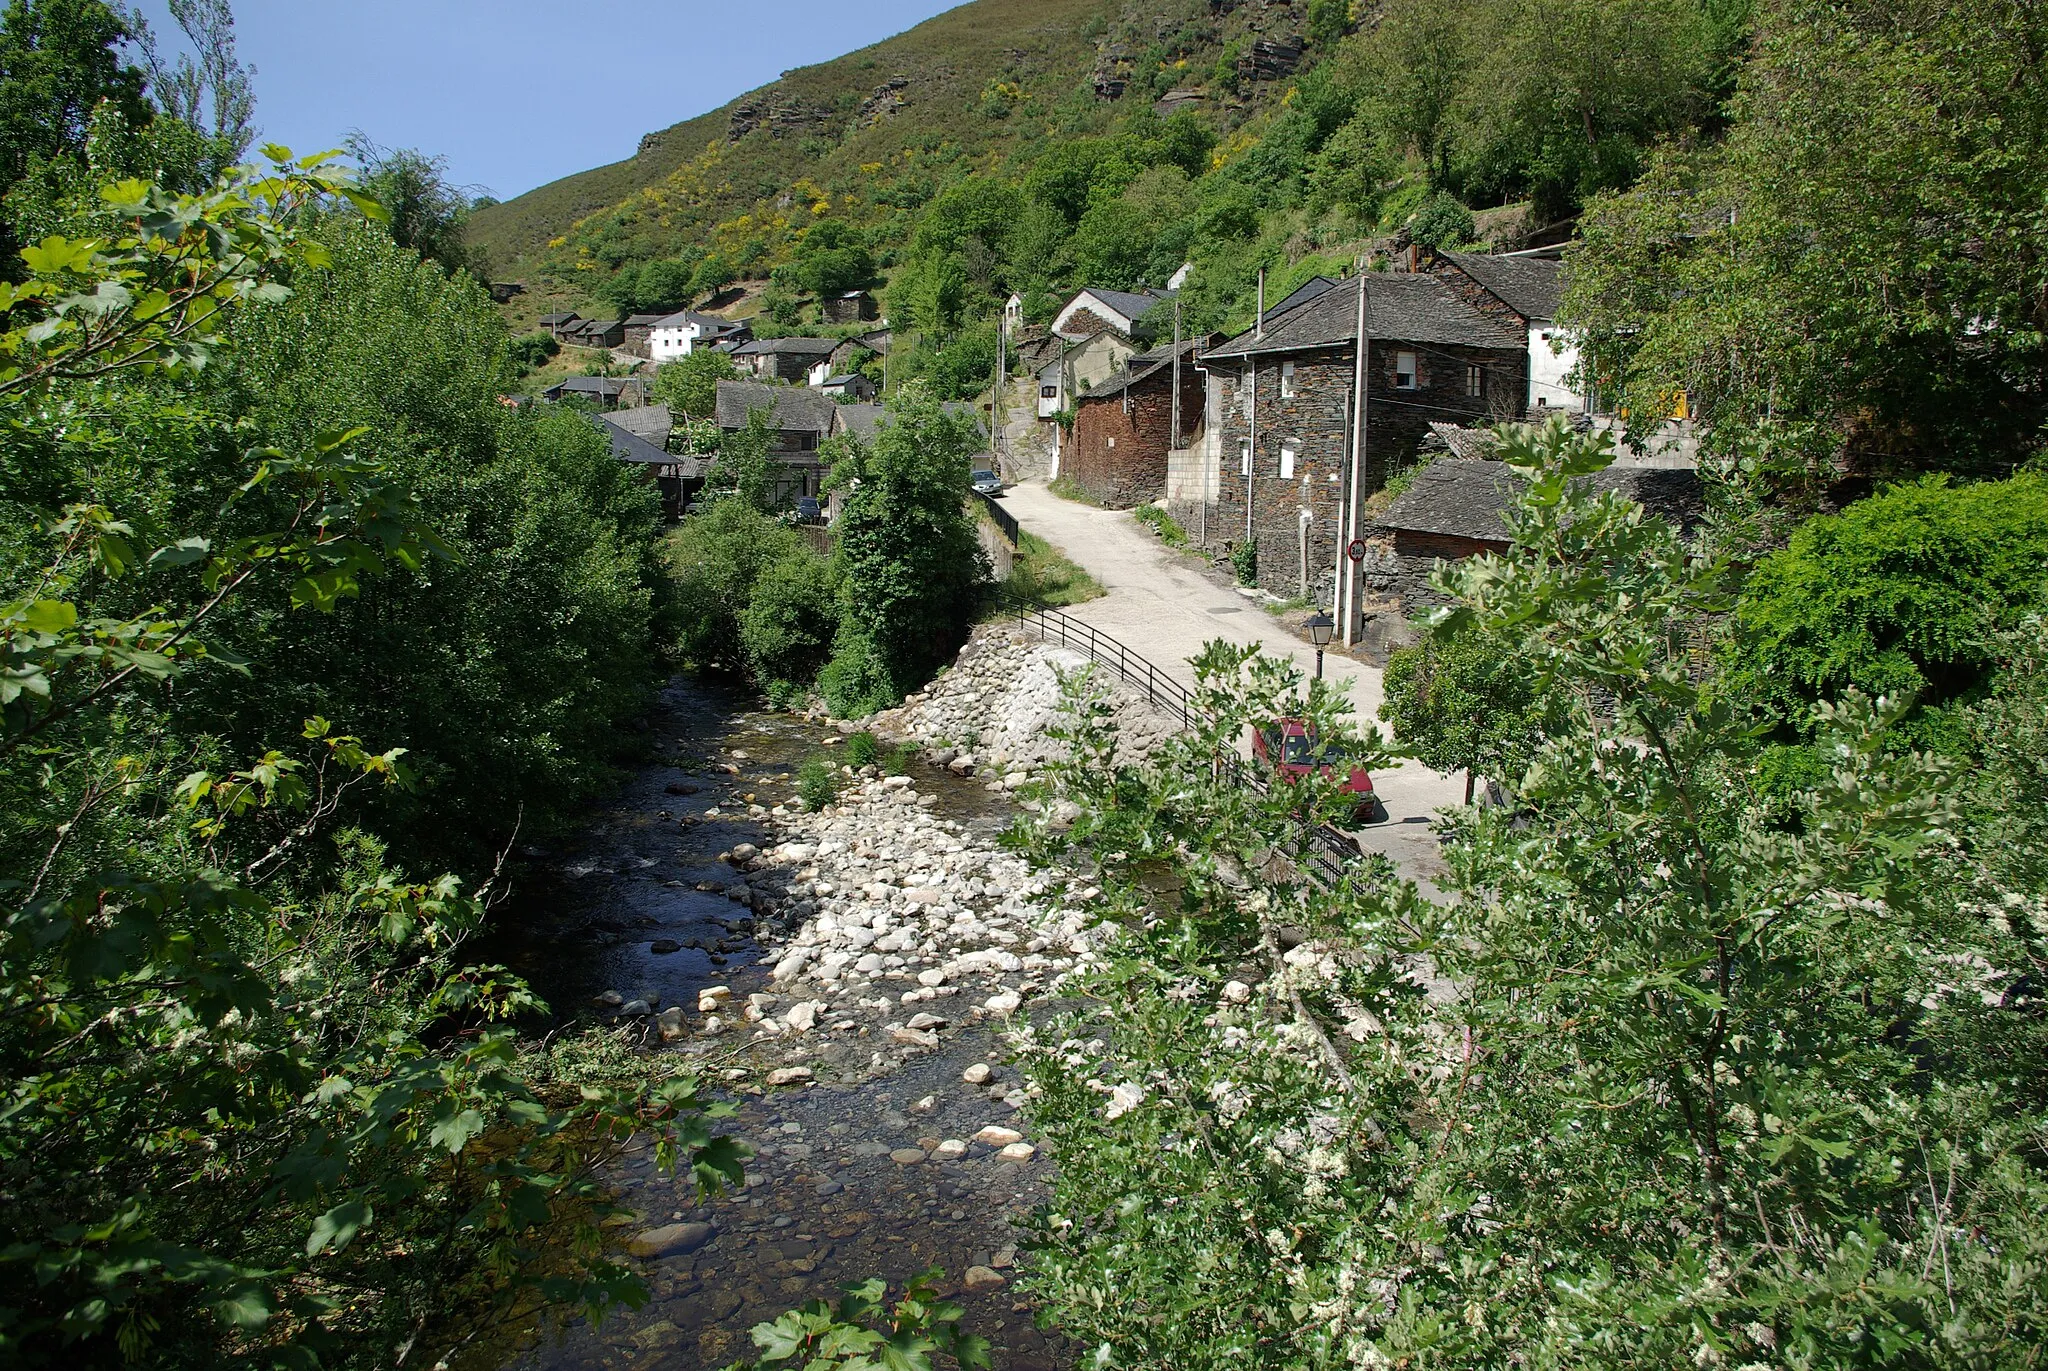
(889,1161)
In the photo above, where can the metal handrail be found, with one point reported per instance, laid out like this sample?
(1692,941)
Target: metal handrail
(1329,847)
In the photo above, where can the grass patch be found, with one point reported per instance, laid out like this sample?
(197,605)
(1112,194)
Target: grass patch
(861,749)
(1293,604)
(1067,488)
(1160,522)
(1043,577)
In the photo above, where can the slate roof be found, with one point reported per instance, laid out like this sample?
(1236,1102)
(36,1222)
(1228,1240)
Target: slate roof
(651,422)
(1530,286)
(798,347)
(555,320)
(1300,295)
(1402,307)
(1132,304)
(642,320)
(706,323)
(1470,444)
(1143,366)
(794,407)
(606,387)
(1463,499)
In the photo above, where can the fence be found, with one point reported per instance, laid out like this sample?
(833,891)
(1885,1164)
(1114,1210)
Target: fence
(1329,849)
(1004,520)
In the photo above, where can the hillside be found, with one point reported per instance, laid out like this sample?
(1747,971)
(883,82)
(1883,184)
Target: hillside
(878,130)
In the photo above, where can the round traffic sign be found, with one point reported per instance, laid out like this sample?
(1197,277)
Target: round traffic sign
(1357,550)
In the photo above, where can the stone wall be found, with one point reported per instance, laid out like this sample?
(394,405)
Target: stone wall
(1402,571)
(1120,457)
(1316,418)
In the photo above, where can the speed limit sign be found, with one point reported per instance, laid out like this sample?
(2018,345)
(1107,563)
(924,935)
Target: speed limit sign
(1357,550)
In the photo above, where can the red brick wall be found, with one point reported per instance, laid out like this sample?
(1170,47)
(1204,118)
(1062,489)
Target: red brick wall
(1119,458)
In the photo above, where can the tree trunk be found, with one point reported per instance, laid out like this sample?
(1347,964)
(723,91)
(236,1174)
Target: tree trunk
(1468,785)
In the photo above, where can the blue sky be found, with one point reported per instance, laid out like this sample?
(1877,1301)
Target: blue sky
(515,93)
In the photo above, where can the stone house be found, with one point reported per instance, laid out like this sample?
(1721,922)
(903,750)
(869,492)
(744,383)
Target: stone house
(785,359)
(1525,292)
(1073,370)
(1285,406)
(597,333)
(1455,507)
(605,392)
(1124,428)
(849,307)
(561,323)
(636,330)
(1094,310)
(802,419)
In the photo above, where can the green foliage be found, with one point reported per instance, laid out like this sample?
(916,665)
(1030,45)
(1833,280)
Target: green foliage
(857,681)
(911,566)
(1783,280)
(1160,522)
(861,749)
(1903,594)
(689,385)
(531,351)
(1067,488)
(859,1333)
(1043,577)
(1663,1080)
(715,559)
(832,259)
(741,473)
(1441,222)
(422,210)
(817,782)
(1463,701)
(1328,20)
(260,1107)
(1244,560)
(791,615)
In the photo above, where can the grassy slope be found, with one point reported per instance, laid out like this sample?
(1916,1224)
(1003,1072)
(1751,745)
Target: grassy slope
(947,60)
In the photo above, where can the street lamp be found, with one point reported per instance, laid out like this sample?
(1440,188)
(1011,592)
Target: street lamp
(1319,626)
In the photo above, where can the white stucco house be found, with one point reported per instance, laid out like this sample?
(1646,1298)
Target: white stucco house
(677,335)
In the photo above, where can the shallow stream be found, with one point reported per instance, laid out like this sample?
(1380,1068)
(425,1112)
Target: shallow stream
(825,1204)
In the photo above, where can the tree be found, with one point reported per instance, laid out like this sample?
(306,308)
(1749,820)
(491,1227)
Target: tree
(215,96)
(910,565)
(261,1107)
(689,384)
(1441,222)
(1783,282)
(1463,701)
(1904,594)
(423,211)
(59,61)
(1665,1078)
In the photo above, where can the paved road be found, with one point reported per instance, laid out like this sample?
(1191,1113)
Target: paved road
(1162,607)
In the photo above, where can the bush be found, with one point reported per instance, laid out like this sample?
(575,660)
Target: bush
(531,351)
(715,559)
(1244,560)
(1901,594)
(1442,222)
(791,612)
(861,750)
(856,681)
(817,782)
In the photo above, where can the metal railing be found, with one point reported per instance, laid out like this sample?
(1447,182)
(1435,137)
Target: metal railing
(1161,690)
(1329,848)
(1005,521)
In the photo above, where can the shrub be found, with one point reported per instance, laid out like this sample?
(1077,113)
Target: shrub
(856,681)
(1244,560)
(1442,222)
(1901,594)
(896,762)
(817,782)
(714,560)
(861,750)
(786,628)
(531,351)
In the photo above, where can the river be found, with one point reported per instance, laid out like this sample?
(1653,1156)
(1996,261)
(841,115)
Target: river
(826,1204)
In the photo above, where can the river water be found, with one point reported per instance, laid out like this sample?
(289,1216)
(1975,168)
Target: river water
(825,1205)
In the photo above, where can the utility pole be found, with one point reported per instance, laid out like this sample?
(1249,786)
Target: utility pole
(1174,441)
(1348,521)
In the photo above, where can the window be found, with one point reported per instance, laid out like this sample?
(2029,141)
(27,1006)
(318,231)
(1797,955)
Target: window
(1048,392)
(1289,450)
(1244,456)
(1475,380)
(1287,380)
(1404,371)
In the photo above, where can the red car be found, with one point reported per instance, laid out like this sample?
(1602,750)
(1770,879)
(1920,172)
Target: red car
(1288,747)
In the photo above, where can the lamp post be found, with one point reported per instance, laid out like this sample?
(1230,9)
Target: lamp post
(1319,626)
